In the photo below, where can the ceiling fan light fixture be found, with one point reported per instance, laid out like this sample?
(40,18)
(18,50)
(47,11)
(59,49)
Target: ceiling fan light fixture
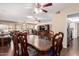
(37,10)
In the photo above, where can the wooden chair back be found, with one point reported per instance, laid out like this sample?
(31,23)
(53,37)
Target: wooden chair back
(23,41)
(15,43)
(20,44)
(57,43)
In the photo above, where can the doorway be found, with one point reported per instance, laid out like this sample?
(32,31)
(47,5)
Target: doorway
(72,35)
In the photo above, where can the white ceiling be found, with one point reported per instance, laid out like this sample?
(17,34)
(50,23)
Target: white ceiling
(20,11)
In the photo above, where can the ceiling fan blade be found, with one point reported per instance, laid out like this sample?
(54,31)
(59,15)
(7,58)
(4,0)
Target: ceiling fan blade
(44,10)
(48,4)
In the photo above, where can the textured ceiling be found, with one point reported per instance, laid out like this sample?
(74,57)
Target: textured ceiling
(19,11)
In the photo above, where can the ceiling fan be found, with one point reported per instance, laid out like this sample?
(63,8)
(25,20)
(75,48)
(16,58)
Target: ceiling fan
(41,7)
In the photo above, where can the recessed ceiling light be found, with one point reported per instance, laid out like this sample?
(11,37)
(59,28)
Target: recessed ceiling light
(29,16)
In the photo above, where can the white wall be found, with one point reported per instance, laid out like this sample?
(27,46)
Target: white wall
(59,21)
(59,25)
(78,29)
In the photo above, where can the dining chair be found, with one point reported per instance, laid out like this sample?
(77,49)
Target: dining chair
(61,40)
(20,44)
(57,43)
(23,42)
(15,44)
